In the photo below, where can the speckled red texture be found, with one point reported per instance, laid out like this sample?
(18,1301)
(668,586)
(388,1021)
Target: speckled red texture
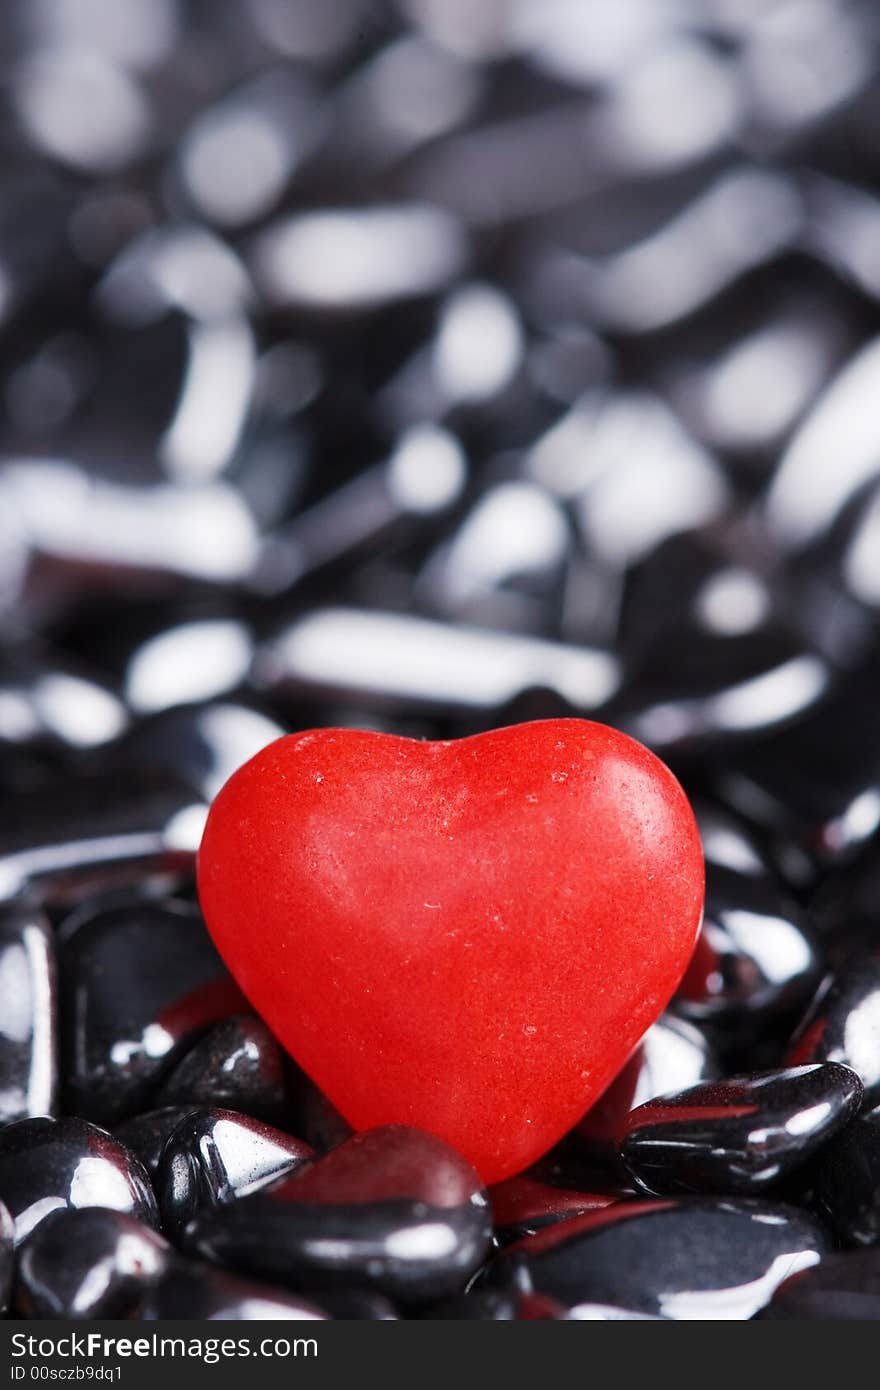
(467,936)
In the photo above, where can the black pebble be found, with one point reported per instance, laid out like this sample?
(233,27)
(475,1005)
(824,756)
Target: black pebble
(216,1156)
(46,1165)
(846,1181)
(743,1134)
(843,1023)
(28,1015)
(90,1263)
(392,1209)
(139,983)
(682,1258)
(236,1065)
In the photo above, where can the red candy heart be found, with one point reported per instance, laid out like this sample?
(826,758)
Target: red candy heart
(471,936)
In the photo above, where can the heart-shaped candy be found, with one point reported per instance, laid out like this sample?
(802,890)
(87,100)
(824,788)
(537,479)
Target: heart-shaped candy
(469,936)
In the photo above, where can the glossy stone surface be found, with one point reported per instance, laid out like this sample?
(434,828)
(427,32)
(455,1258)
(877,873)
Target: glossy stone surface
(523,1205)
(843,1022)
(202,744)
(48,1164)
(684,1258)
(192,1290)
(216,1156)
(66,840)
(236,1065)
(28,1015)
(406,875)
(754,958)
(138,983)
(90,1263)
(815,785)
(741,1134)
(7,1256)
(843,1287)
(392,1209)
(846,1181)
(147,1134)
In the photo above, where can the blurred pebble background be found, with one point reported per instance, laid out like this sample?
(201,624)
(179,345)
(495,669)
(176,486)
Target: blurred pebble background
(430,365)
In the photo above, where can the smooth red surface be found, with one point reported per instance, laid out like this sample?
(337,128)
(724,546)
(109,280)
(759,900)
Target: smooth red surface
(469,937)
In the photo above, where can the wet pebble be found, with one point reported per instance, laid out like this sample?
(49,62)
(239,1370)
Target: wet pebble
(236,1065)
(217,1156)
(846,1181)
(28,1015)
(140,981)
(87,1263)
(47,1165)
(742,1134)
(393,1210)
(843,1022)
(683,1258)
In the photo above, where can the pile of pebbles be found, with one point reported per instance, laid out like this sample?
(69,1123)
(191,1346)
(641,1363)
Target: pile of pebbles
(430,365)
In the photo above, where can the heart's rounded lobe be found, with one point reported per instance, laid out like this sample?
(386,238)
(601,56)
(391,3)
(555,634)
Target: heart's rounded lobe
(468,936)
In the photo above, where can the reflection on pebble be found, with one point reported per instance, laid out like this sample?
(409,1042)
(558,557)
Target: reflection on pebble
(214,401)
(359,258)
(743,220)
(862,563)
(194,661)
(238,156)
(415,662)
(205,532)
(427,471)
(183,267)
(478,345)
(637,475)
(737,410)
(136,33)
(81,109)
(806,493)
(677,105)
(516,529)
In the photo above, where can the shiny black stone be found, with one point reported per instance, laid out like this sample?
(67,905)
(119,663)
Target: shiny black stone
(7,1256)
(843,1022)
(742,1134)
(392,1209)
(846,1181)
(73,837)
(755,958)
(682,1258)
(844,1287)
(28,1015)
(215,1156)
(90,1263)
(699,688)
(138,984)
(814,785)
(236,1065)
(196,1291)
(46,1165)
(147,1134)
(202,744)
